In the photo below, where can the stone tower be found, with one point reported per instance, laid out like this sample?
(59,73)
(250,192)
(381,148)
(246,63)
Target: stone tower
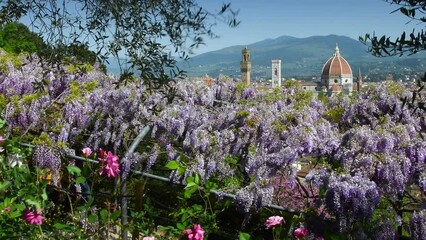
(276,73)
(245,66)
(359,82)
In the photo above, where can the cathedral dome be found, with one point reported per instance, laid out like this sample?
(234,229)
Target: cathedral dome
(336,66)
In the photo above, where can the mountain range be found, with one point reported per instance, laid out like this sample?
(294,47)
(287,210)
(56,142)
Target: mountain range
(302,58)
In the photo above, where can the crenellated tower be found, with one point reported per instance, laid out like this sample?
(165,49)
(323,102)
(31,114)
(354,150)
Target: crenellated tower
(245,66)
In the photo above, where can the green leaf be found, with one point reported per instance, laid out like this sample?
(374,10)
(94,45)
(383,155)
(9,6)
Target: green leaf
(181,170)
(16,214)
(86,169)
(189,179)
(197,179)
(2,123)
(189,191)
(44,195)
(404,11)
(209,185)
(32,202)
(180,226)
(4,185)
(80,179)
(93,218)
(243,236)
(62,226)
(104,215)
(115,215)
(190,185)
(17,176)
(172,165)
(74,170)
(19,207)
(89,202)
(185,217)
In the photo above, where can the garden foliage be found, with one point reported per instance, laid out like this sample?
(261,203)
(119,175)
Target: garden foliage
(349,166)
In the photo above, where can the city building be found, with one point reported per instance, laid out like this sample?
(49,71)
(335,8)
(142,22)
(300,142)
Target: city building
(336,75)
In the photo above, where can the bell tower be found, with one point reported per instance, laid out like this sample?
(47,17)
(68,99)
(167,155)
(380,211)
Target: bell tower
(245,66)
(276,73)
(359,82)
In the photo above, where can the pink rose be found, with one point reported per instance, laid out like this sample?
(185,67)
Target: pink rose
(7,209)
(195,233)
(148,238)
(300,232)
(86,152)
(32,217)
(274,221)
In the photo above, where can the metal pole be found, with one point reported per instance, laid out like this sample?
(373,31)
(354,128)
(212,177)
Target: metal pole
(124,190)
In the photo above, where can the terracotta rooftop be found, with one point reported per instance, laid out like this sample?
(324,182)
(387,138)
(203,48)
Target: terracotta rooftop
(305,83)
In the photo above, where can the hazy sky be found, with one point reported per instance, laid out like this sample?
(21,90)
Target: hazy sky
(262,19)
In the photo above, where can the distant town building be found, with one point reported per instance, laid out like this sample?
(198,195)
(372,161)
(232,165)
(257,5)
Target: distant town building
(276,73)
(245,66)
(208,80)
(309,86)
(389,77)
(336,75)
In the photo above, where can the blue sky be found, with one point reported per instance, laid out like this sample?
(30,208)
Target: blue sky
(262,19)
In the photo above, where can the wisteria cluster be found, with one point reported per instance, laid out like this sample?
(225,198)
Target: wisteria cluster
(250,135)
(360,148)
(384,230)
(254,197)
(351,199)
(418,225)
(46,157)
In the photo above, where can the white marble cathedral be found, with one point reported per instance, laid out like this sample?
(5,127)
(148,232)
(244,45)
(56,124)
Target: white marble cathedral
(336,75)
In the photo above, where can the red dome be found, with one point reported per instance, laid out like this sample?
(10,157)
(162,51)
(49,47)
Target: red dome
(336,66)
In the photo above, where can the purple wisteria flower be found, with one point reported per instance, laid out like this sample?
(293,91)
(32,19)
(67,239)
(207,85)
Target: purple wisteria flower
(351,199)
(47,157)
(418,225)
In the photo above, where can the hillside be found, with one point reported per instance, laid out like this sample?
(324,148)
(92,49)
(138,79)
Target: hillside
(302,57)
